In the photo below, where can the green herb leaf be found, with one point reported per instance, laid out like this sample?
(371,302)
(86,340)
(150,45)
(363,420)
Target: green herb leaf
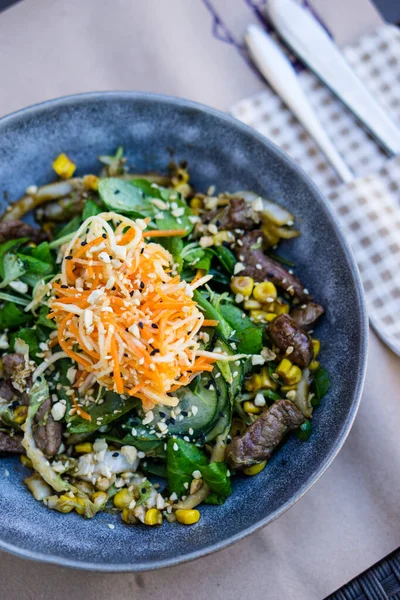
(125,198)
(11,316)
(210,312)
(13,269)
(70,227)
(174,245)
(43,320)
(90,210)
(216,477)
(321,384)
(247,334)
(181,463)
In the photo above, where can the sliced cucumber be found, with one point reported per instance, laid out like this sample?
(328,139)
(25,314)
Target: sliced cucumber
(202,396)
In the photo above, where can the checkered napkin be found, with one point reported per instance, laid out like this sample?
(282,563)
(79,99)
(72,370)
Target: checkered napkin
(369,207)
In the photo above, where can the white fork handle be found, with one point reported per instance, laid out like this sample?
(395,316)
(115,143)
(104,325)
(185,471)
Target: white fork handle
(278,71)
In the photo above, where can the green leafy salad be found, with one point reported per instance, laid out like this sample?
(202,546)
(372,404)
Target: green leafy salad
(154,343)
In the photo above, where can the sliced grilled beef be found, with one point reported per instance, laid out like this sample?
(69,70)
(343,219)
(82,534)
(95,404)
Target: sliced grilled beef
(7,392)
(11,230)
(238,214)
(285,334)
(46,431)
(11,443)
(12,363)
(262,437)
(261,267)
(306,315)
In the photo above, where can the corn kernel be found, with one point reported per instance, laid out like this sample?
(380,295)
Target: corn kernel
(20,414)
(242,285)
(253,383)
(84,448)
(280,307)
(270,316)
(284,367)
(186,516)
(258,316)
(316,344)
(196,203)
(63,166)
(264,291)
(122,499)
(293,375)
(68,506)
(99,498)
(251,408)
(314,365)
(91,182)
(128,516)
(82,506)
(153,517)
(266,381)
(288,388)
(255,469)
(26,462)
(252,305)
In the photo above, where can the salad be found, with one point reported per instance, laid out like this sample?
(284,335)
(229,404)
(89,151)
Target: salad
(154,344)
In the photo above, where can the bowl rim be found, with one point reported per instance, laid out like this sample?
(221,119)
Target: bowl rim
(81,98)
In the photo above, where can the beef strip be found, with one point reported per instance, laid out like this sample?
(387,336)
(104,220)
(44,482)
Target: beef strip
(305,316)
(238,214)
(261,267)
(11,363)
(284,333)
(46,431)
(11,230)
(262,437)
(7,391)
(11,443)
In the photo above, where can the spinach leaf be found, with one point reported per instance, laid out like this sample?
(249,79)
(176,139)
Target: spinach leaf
(69,228)
(248,335)
(181,463)
(111,409)
(320,385)
(174,245)
(213,498)
(210,312)
(217,478)
(225,257)
(42,253)
(29,336)
(43,320)
(121,196)
(154,467)
(176,216)
(12,316)
(135,199)
(90,210)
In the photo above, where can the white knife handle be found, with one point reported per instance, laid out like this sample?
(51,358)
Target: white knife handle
(278,71)
(309,40)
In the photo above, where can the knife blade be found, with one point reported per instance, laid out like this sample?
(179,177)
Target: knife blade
(309,40)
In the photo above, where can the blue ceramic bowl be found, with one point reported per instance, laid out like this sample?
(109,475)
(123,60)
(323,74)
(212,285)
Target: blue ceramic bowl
(220,151)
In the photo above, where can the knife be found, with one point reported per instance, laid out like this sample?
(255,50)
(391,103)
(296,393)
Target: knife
(309,40)
(278,71)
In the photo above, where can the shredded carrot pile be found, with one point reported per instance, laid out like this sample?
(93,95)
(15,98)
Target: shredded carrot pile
(123,316)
